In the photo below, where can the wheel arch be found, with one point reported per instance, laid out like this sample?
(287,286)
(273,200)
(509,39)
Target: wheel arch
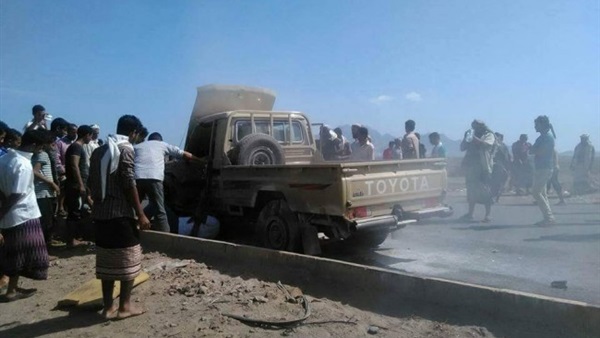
(264,196)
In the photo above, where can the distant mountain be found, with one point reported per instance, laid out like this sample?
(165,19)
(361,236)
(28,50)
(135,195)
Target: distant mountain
(381,141)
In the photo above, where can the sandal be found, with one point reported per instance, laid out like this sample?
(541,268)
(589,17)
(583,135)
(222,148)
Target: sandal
(19,295)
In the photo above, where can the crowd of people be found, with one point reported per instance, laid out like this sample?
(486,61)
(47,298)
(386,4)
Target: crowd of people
(489,167)
(64,170)
(335,147)
(54,170)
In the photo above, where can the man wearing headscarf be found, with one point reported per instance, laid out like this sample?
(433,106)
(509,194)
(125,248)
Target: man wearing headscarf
(328,141)
(543,150)
(116,206)
(501,167)
(581,165)
(342,147)
(478,164)
(522,174)
(93,144)
(365,151)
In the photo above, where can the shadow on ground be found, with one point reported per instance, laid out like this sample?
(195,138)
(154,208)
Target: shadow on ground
(74,320)
(526,226)
(566,238)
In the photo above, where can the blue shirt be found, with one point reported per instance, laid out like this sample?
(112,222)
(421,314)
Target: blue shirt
(438,151)
(543,149)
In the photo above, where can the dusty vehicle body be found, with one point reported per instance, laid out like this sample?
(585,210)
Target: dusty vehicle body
(263,166)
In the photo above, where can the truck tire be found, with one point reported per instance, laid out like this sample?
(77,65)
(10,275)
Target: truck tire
(259,149)
(278,227)
(370,239)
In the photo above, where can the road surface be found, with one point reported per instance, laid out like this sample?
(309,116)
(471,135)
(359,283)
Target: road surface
(510,252)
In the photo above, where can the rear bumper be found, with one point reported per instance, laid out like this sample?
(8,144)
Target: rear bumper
(389,222)
(443,211)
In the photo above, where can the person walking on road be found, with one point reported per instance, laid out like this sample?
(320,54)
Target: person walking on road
(479,144)
(116,205)
(150,173)
(500,171)
(554,183)
(522,174)
(581,165)
(543,150)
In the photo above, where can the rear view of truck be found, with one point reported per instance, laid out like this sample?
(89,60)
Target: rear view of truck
(385,196)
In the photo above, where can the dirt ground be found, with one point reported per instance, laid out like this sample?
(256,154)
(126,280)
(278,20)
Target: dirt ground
(191,300)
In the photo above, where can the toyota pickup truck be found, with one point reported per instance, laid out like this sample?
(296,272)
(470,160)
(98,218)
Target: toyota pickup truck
(263,168)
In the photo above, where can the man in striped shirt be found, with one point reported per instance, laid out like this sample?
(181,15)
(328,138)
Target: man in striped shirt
(116,205)
(44,184)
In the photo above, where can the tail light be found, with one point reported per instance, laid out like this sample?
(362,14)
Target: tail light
(358,212)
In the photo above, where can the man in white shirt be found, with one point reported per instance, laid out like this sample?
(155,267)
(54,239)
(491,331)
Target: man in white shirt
(22,247)
(93,144)
(150,173)
(364,151)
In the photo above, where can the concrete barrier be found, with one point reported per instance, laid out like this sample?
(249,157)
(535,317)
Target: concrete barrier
(385,291)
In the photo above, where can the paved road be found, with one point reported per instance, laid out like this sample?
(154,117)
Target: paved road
(510,252)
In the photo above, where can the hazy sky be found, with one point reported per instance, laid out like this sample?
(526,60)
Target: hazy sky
(441,63)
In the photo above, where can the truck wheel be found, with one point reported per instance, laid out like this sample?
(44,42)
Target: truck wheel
(370,239)
(259,149)
(277,227)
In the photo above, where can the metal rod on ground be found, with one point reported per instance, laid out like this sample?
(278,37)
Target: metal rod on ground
(268,323)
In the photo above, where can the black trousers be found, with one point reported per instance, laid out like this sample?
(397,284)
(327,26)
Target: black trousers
(46,206)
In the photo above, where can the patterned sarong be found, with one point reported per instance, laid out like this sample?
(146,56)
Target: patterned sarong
(118,264)
(24,252)
(118,250)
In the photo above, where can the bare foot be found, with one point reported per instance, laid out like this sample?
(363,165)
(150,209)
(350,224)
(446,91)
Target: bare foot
(77,243)
(3,281)
(110,313)
(131,312)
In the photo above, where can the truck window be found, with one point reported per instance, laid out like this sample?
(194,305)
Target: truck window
(244,128)
(200,140)
(281,129)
